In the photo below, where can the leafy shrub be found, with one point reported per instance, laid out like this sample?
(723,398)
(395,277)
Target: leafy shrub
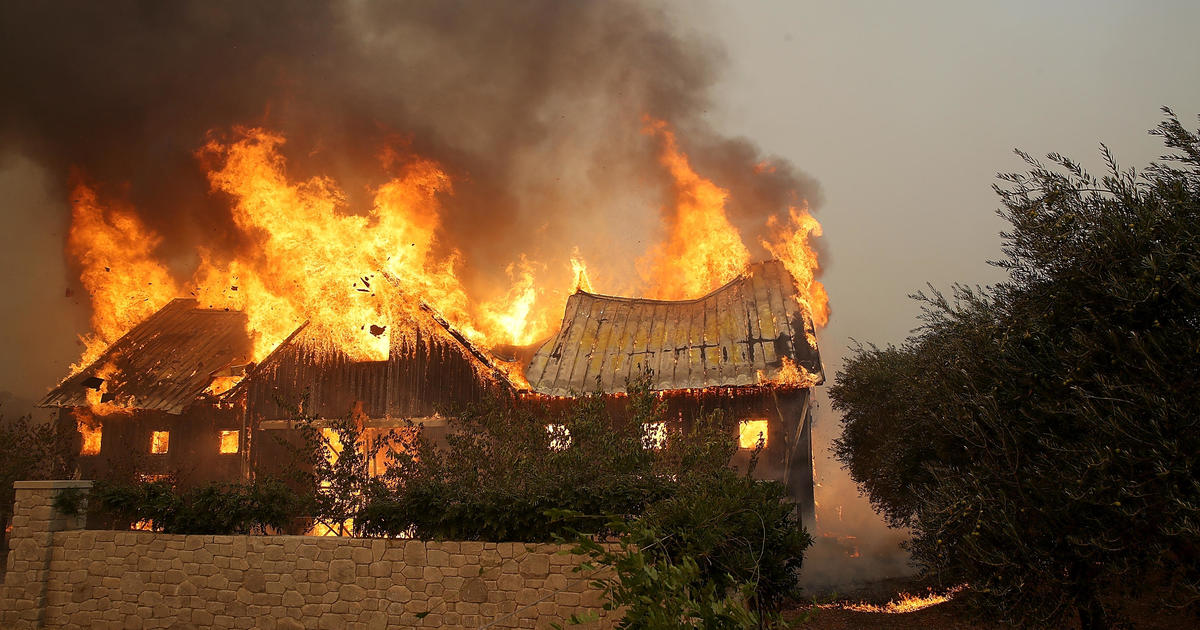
(658,590)
(501,470)
(217,508)
(1040,436)
(723,552)
(726,546)
(31,451)
(738,531)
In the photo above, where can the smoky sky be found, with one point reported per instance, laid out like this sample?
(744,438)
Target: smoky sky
(534,108)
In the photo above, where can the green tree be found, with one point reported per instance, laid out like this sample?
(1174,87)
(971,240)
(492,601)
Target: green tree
(1040,435)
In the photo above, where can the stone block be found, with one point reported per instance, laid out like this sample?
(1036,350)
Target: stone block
(527,596)
(288,623)
(437,557)
(470,570)
(292,599)
(352,593)
(535,565)
(398,593)
(342,571)
(254,581)
(509,582)
(381,568)
(413,572)
(414,552)
(474,590)
(556,582)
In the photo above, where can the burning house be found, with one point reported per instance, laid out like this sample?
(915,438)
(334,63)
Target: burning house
(178,393)
(747,349)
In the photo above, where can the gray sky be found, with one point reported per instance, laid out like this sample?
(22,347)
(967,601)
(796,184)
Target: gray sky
(902,111)
(905,111)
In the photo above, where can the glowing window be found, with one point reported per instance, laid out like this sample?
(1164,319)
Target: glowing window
(750,432)
(91,438)
(560,437)
(654,435)
(159,441)
(229,441)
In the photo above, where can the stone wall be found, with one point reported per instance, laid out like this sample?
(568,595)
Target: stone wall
(62,576)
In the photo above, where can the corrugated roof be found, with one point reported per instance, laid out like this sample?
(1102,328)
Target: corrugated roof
(738,335)
(165,362)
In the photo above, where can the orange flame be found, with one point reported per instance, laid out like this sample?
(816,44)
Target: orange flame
(89,430)
(906,602)
(115,252)
(703,250)
(580,273)
(513,314)
(357,278)
(792,245)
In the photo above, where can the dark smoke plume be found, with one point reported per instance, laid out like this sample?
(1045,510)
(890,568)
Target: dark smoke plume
(534,107)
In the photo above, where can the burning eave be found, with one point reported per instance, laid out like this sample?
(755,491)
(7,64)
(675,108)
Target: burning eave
(165,363)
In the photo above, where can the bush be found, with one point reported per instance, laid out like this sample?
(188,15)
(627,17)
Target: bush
(724,543)
(215,509)
(31,451)
(502,470)
(737,530)
(658,590)
(1040,436)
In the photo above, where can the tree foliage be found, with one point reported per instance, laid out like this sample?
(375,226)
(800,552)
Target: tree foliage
(1040,435)
(31,451)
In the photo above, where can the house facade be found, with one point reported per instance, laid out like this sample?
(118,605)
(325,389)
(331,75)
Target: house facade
(177,395)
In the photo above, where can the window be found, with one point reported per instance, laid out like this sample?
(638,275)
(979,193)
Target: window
(751,431)
(560,437)
(159,441)
(654,435)
(229,441)
(90,432)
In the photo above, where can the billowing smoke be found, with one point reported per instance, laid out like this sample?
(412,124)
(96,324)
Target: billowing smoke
(536,109)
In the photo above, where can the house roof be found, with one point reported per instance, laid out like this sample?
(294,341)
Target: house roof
(429,365)
(738,335)
(165,362)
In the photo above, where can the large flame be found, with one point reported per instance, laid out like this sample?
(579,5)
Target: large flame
(352,275)
(703,250)
(792,244)
(118,268)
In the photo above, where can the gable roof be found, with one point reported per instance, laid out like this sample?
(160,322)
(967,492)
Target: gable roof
(165,362)
(738,335)
(429,367)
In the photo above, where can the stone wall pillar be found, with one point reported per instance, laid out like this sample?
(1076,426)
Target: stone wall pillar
(31,541)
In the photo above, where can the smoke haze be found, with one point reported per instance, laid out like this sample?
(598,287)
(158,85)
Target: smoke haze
(534,108)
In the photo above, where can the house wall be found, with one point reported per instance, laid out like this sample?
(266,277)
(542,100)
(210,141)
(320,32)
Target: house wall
(63,576)
(192,458)
(787,455)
